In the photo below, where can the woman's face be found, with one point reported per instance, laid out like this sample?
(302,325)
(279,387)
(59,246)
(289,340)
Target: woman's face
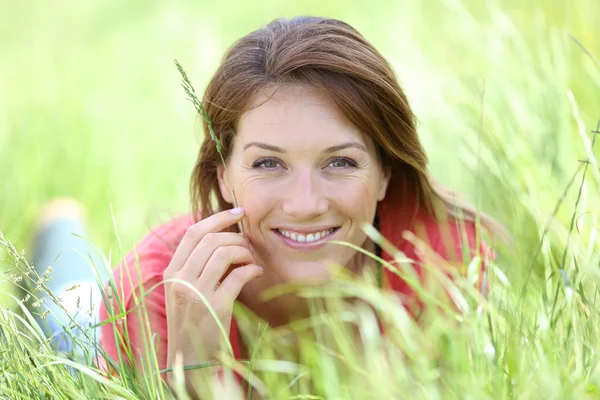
(305,175)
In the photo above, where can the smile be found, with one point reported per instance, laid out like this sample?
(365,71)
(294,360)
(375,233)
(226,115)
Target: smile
(306,240)
(306,237)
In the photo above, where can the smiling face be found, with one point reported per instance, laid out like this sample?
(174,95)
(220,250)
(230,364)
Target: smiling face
(304,175)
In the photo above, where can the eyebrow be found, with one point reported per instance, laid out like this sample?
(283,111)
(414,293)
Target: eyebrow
(331,149)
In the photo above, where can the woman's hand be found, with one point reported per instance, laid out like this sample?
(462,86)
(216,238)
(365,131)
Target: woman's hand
(203,258)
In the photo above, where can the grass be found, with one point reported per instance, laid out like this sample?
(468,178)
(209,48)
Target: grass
(507,94)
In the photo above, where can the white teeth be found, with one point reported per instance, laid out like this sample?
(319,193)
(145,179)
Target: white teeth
(311,237)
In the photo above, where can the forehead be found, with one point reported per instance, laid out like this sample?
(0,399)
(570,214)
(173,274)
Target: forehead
(297,116)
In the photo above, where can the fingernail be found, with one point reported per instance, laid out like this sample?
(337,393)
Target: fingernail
(237,210)
(251,248)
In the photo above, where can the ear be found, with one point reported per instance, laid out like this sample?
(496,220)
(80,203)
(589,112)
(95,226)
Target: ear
(385,181)
(224,184)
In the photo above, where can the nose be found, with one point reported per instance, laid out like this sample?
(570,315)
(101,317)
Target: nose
(304,196)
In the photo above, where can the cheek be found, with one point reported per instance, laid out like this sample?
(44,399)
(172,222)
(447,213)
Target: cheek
(253,190)
(254,195)
(358,197)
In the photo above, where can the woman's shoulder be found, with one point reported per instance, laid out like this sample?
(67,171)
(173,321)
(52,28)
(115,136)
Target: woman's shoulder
(166,236)
(150,257)
(451,235)
(451,241)
(452,238)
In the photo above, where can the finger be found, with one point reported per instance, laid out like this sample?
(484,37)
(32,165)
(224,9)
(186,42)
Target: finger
(195,233)
(219,263)
(197,261)
(231,287)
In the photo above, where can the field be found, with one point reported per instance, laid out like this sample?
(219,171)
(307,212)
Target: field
(507,94)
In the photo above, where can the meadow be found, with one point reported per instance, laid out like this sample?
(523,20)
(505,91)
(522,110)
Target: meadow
(507,94)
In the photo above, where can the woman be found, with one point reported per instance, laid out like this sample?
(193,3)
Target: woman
(318,137)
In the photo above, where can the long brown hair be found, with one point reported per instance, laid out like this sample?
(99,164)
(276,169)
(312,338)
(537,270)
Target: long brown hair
(333,56)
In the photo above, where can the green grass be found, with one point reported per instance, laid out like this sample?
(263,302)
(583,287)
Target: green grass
(507,94)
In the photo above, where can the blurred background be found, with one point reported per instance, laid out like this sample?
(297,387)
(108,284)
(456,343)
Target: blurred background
(506,93)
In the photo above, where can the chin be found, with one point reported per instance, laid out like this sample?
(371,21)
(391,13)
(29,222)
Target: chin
(304,275)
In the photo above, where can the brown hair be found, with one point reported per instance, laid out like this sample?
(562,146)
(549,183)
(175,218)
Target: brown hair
(330,55)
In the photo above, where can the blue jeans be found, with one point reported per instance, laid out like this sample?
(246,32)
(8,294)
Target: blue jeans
(62,246)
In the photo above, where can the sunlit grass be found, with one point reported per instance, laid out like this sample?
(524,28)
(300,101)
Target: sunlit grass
(507,95)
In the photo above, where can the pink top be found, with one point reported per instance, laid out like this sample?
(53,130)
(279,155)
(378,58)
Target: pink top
(154,253)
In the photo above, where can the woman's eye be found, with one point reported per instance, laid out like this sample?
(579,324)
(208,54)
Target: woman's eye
(265,164)
(342,163)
